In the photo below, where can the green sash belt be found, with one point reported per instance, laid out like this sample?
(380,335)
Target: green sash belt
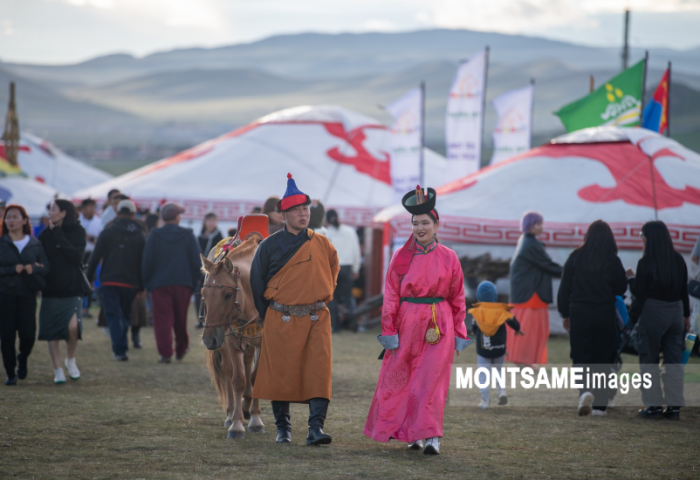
(428,300)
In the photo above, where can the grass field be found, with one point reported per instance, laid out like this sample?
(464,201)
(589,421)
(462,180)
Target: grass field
(141,419)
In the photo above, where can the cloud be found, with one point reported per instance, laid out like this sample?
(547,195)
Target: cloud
(6,28)
(205,14)
(529,16)
(376,25)
(92,3)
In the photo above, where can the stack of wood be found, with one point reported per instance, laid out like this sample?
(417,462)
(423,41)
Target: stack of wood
(483,267)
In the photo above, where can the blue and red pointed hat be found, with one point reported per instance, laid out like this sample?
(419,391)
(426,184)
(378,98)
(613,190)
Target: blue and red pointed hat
(293,197)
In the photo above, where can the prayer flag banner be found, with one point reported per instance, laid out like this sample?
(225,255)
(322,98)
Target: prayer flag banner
(617,102)
(463,125)
(656,111)
(513,129)
(406,141)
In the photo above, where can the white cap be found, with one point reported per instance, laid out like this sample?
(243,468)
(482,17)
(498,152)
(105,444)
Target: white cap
(126,205)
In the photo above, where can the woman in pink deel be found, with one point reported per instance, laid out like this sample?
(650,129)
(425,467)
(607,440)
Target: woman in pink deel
(422,324)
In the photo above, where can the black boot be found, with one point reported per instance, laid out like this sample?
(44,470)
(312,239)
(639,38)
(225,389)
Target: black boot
(652,412)
(318,407)
(672,413)
(21,367)
(284,427)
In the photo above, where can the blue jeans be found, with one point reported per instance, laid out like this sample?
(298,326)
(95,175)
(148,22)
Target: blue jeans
(117,302)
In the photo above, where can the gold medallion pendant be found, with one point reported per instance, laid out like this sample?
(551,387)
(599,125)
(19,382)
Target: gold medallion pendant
(432,335)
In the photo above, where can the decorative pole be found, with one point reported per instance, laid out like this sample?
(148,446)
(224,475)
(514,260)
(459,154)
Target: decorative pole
(11,134)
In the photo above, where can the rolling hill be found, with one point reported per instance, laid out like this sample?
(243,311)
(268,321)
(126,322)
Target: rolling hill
(316,56)
(179,96)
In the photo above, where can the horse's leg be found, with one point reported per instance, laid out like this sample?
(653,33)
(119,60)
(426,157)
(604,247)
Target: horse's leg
(228,374)
(248,392)
(255,424)
(237,430)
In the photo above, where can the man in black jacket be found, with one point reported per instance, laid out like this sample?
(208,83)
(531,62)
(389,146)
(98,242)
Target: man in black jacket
(120,249)
(171,269)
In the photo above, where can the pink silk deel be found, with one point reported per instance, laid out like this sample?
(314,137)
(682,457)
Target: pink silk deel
(409,401)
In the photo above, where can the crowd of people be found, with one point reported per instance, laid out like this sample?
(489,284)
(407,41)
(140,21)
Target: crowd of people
(593,281)
(133,261)
(142,267)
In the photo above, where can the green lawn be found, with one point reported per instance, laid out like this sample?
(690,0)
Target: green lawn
(141,419)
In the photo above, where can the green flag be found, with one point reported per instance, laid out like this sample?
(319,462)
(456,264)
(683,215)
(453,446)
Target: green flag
(617,102)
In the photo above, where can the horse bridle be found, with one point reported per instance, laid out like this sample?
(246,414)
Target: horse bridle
(235,331)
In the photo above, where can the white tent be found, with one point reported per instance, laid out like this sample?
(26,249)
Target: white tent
(43,162)
(32,195)
(334,154)
(625,176)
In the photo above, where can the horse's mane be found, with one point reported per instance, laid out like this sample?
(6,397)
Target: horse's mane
(247,247)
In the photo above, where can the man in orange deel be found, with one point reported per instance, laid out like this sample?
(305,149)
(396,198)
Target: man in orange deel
(490,317)
(293,278)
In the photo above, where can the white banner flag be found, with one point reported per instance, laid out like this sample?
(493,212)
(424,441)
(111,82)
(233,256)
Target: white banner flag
(464,117)
(514,126)
(406,141)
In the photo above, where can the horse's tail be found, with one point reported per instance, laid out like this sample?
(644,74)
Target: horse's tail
(216,373)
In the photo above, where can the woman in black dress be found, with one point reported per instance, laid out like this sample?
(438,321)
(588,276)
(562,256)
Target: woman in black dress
(23,265)
(661,309)
(593,276)
(60,316)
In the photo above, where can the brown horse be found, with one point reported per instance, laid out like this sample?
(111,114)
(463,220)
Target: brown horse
(231,320)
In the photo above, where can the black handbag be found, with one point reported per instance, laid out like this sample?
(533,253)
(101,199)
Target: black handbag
(85,284)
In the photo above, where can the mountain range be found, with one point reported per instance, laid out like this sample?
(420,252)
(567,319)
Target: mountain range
(120,98)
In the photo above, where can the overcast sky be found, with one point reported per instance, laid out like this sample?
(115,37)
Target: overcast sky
(66,31)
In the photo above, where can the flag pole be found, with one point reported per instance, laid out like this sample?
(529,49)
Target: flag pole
(483,105)
(653,187)
(422,134)
(532,110)
(591,84)
(644,87)
(668,105)
(625,41)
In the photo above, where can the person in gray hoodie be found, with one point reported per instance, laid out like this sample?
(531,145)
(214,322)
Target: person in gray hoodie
(170,271)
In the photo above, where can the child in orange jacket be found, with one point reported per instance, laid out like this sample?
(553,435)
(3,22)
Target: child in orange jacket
(489,325)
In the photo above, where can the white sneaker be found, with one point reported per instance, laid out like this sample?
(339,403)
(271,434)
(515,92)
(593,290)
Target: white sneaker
(432,446)
(484,404)
(59,376)
(598,413)
(503,398)
(611,403)
(417,445)
(585,402)
(73,371)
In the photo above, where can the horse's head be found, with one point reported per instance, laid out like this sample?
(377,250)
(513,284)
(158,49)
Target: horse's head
(226,294)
